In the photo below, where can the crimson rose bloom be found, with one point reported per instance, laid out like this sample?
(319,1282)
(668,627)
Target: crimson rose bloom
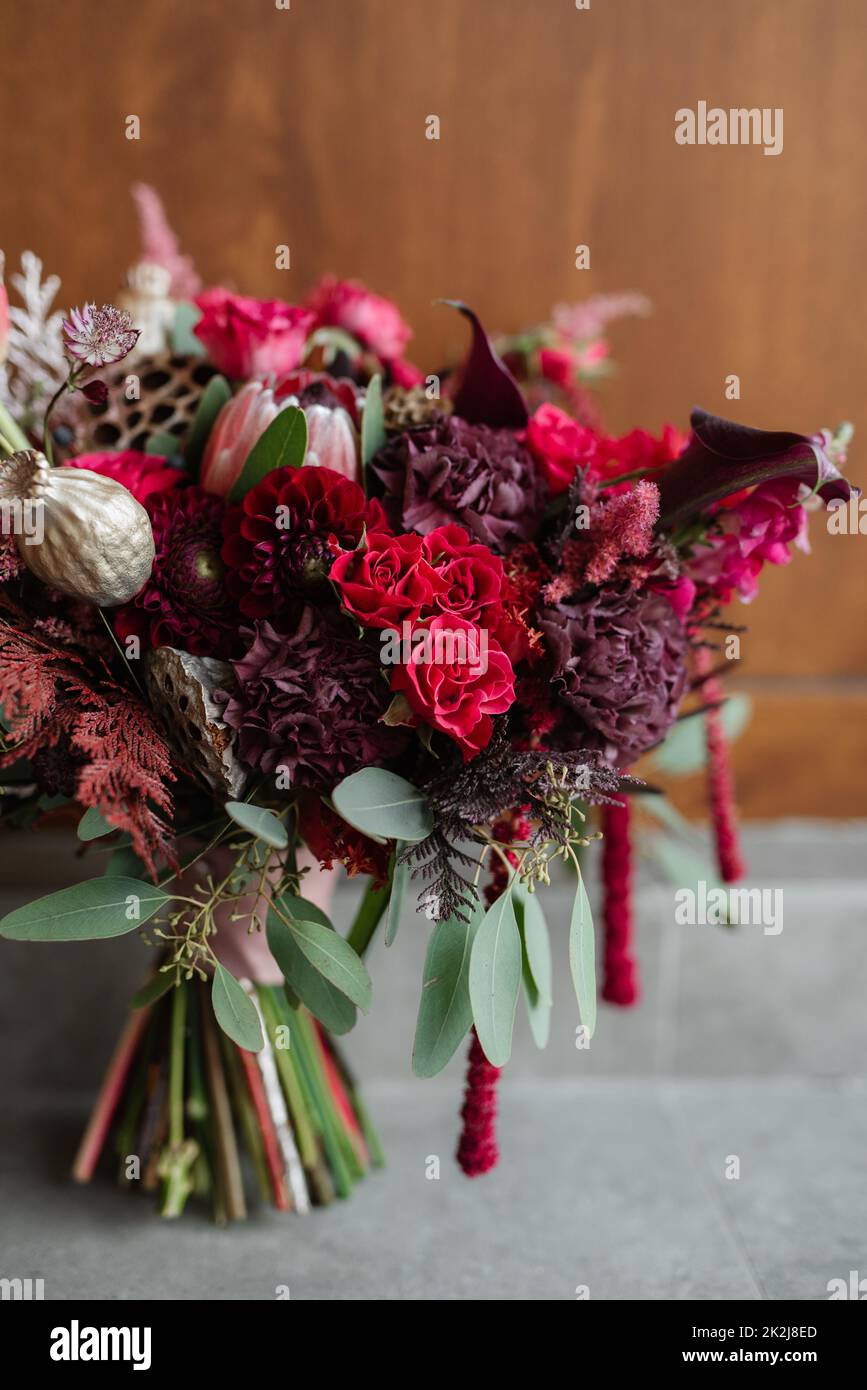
(455,684)
(144,475)
(559,445)
(404,578)
(287,531)
(387,582)
(251,337)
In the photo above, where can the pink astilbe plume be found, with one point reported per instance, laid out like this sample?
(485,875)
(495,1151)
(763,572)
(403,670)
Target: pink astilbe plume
(620,528)
(589,318)
(160,244)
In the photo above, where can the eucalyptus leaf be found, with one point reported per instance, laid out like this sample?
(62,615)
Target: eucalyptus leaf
(163,446)
(372,420)
(88,911)
(93,825)
(538,1009)
(259,822)
(495,979)
(153,990)
(303,910)
(283,445)
(337,1013)
(383,805)
(214,397)
(184,341)
(445,1013)
(123,862)
(334,958)
(235,1011)
(537,943)
(582,957)
(399,881)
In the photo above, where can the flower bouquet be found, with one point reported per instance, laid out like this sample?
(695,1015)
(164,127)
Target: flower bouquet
(272,600)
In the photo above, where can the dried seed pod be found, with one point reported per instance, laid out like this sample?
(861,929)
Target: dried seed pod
(406,407)
(182,688)
(155,395)
(86,535)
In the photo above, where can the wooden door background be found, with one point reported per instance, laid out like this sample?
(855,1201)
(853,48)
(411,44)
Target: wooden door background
(306,126)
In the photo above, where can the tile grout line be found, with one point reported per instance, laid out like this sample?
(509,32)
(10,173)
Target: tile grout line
(668,1106)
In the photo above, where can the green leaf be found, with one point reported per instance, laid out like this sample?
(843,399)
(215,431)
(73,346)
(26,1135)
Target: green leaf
(685,748)
(89,911)
(582,957)
(372,420)
(534,929)
(329,1005)
(334,958)
(283,445)
(536,966)
(383,805)
(184,341)
(259,822)
(445,1012)
(332,341)
(153,990)
(163,445)
(495,979)
(538,1009)
(214,397)
(123,862)
(235,1011)
(399,881)
(93,825)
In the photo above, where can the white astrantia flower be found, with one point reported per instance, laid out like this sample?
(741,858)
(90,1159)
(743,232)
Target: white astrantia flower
(98,337)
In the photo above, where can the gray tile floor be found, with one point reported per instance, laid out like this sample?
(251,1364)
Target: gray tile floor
(616,1161)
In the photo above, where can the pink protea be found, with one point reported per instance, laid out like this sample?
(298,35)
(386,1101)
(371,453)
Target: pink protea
(241,422)
(4,316)
(332,412)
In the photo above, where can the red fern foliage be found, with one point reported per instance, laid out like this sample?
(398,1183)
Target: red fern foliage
(51,696)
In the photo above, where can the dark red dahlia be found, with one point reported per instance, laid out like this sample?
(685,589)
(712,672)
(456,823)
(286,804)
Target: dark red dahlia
(185,602)
(483,478)
(307,702)
(287,532)
(619,666)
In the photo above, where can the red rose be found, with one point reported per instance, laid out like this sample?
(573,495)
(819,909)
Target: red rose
(470,575)
(144,475)
(559,444)
(557,365)
(375,322)
(286,533)
(388,582)
(251,337)
(457,679)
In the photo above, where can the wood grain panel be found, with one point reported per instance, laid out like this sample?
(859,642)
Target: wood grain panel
(306,127)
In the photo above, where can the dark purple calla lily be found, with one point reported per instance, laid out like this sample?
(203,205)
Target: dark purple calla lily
(487,393)
(722,457)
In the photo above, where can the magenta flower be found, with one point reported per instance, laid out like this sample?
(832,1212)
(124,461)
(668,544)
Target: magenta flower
(97,337)
(757,531)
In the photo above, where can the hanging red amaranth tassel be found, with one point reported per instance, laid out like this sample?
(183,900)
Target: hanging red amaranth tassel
(719,775)
(621,981)
(478,1150)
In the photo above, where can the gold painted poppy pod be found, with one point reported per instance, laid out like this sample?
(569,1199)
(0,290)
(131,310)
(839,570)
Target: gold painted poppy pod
(77,531)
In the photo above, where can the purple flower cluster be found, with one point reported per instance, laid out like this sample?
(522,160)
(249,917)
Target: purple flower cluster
(308,701)
(482,478)
(620,666)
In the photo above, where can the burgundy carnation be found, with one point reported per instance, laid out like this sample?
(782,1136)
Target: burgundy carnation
(287,532)
(620,666)
(452,471)
(184,602)
(309,701)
